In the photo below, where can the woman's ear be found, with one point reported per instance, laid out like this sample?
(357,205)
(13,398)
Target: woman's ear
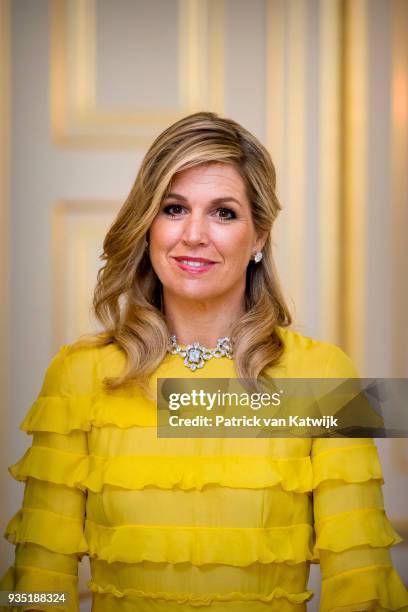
(261,241)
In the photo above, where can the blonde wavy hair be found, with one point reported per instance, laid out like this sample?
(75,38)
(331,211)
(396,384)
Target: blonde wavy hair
(128,295)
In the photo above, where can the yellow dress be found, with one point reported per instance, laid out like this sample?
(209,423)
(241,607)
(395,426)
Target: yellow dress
(227,525)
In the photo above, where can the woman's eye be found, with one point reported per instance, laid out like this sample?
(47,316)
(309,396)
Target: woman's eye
(173,209)
(226,211)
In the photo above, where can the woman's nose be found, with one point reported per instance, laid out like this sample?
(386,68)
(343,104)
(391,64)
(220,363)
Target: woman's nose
(195,229)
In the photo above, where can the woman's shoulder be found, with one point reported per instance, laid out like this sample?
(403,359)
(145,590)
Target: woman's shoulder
(71,383)
(297,342)
(310,357)
(95,347)
(81,365)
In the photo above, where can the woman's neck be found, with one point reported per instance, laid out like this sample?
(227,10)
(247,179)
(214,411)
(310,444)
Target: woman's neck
(203,322)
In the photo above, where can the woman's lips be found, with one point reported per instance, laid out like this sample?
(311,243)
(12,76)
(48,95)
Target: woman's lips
(195,267)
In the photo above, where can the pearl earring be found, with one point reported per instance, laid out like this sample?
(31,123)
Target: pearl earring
(258,256)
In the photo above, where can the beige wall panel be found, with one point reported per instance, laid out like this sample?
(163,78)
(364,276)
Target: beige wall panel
(78,230)
(80,112)
(143,39)
(5,116)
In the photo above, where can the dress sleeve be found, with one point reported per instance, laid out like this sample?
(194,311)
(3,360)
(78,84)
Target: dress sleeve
(353,534)
(48,530)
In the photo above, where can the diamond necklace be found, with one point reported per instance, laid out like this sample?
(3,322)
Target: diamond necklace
(195,355)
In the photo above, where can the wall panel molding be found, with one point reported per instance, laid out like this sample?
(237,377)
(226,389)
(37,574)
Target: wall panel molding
(285,136)
(354,179)
(287,41)
(78,228)
(399,186)
(329,171)
(76,119)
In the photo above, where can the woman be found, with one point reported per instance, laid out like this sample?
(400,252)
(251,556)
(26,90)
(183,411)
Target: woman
(184,524)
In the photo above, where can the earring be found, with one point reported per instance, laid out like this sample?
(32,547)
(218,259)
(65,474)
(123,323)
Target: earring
(258,256)
(146,246)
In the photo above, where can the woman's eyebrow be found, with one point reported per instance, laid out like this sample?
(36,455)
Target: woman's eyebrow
(222,200)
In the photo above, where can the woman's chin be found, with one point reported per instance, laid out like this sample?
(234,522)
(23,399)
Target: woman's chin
(195,293)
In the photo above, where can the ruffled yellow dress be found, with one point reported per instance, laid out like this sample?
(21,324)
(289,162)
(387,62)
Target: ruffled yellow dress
(227,525)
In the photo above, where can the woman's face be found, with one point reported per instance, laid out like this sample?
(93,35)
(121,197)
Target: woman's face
(203,236)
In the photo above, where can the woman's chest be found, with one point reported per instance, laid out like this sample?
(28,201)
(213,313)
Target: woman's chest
(137,478)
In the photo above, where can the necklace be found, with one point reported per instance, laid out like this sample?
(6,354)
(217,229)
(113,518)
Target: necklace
(196,355)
